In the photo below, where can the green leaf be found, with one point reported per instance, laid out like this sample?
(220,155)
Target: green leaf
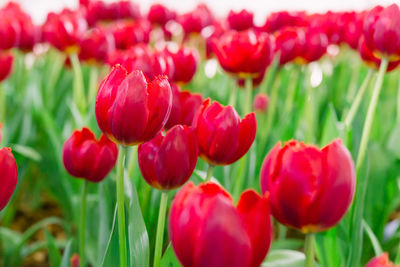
(285,258)
(54,252)
(111,255)
(67,254)
(169,258)
(332,128)
(289,243)
(374,241)
(138,238)
(393,144)
(327,248)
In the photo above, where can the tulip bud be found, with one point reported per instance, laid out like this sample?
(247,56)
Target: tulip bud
(206,229)
(167,162)
(380,261)
(184,107)
(75,260)
(288,44)
(185,63)
(96,46)
(245,54)
(6,64)
(197,19)
(223,137)
(381,31)
(261,103)
(310,189)
(86,157)
(8,176)
(240,21)
(130,110)
(278,20)
(160,14)
(65,30)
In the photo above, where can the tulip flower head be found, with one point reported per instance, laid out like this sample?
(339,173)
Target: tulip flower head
(261,101)
(167,162)
(223,136)
(381,261)
(86,157)
(195,20)
(160,14)
(184,107)
(96,45)
(65,30)
(371,60)
(310,189)
(244,54)
(185,64)
(206,229)
(240,21)
(6,64)
(381,31)
(129,109)
(8,176)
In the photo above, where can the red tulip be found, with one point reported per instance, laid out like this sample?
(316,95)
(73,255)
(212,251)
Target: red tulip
(130,110)
(65,30)
(6,64)
(240,21)
(353,28)
(380,261)
(142,57)
(185,63)
(96,46)
(8,176)
(184,107)
(288,43)
(167,162)
(381,31)
(128,34)
(310,189)
(371,60)
(278,20)
(86,157)
(101,11)
(160,14)
(223,137)
(75,260)
(206,229)
(261,102)
(216,30)
(245,53)
(9,30)
(314,45)
(197,19)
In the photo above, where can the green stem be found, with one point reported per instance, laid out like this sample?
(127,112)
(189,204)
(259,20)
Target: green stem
(233,94)
(291,91)
(240,176)
(94,74)
(121,206)
(82,228)
(309,249)
(132,161)
(209,172)
(310,113)
(397,260)
(358,211)
(78,93)
(370,115)
(249,95)
(2,104)
(398,103)
(272,77)
(160,229)
(357,101)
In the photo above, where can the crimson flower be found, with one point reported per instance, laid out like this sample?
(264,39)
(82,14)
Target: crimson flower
(185,63)
(130,33)
(86,157)
(129,109)
(8,176)
(371,60)
(167,162)
(96,45)
(197,19)
(6,64)
(260,103)
(223,136)
(160,14)
(206,229)
(245,53)
(310,189)
(184,107)
(380,261)
(241,20)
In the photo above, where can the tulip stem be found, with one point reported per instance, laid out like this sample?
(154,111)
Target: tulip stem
(93,76)
(121,206)
(82,228)
(209,172)
(398,103)
(78,93)
(309,249)
(291,91)
(357,101)
(358,210)
(249,95)
(370,115)
(233,94)
(160,229)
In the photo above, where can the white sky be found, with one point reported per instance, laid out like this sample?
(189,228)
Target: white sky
(39,8)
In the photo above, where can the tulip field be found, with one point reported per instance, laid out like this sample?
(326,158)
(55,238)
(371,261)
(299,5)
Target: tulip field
(134,136)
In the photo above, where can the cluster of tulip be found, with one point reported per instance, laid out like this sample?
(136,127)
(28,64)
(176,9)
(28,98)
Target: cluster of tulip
(140,103)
